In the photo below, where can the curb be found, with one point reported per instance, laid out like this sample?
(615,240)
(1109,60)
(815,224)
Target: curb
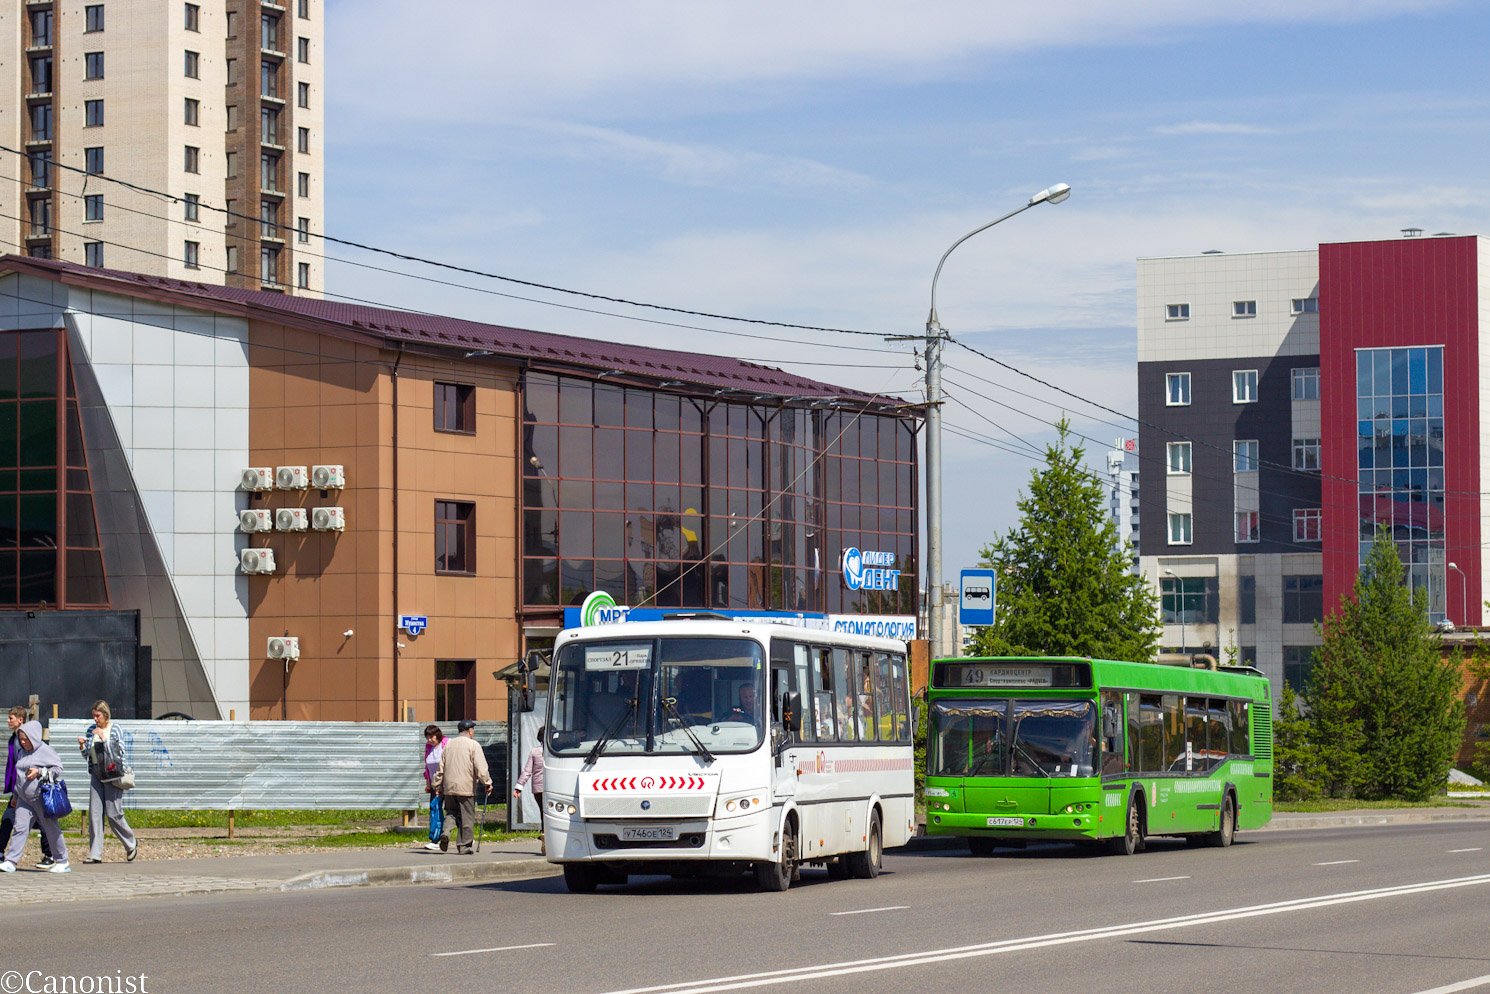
(1287,822)
(442,873)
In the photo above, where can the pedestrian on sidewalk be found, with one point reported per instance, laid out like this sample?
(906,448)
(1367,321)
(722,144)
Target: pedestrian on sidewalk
(15,719)
(434,751)
(533,770)
(103,747)
(37,763)
(462,765)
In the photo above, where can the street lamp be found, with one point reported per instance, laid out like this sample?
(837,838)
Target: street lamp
(934,338)
(1179,588)
(1463,595)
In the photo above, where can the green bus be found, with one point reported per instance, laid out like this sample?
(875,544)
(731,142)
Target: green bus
(1094,751)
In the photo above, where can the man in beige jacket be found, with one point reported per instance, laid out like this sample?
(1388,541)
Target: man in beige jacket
(462,765)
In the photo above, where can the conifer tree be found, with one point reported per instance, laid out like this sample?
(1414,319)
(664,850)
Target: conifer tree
(1064,582)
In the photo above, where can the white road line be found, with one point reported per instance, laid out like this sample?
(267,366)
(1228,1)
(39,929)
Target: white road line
(1475,849)
(1463,985)
(930,956)
(1338,862)
(1158,880)
(868,911)
(493,949)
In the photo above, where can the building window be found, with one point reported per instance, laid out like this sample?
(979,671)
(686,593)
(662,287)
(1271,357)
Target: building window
(92,114)
(1306,524)
(193,65)
(232,165)
(302,94)
(232,117)
(1303,599)
(41,74)
(93,254)
(232,258)
(1244,455)
(192,204)
(302,140)
(40,209)
(303,50)
(41,28)
(1177,389)
(455,689)
(92,65)
(304,9)
(232,24)
(191,255)
(1179,457)
(269,79)
(1306,454)
(455,536)
(1189,600)
(1244,386)
(41,169)
(1179,529)
(1306,305)
(93,17)
(1306,383)
(268,218)
(455,407)
(269,125)
(1298,662)
(93,207)
(269,32)
(303,276)
(1244,308)
(93,160)
(302,230)
(1246,526)
(269,265)
(41,122)
(193,112)
(302,185)
(269,173)
(193,17)
(1247,599)
(232,72)
(193,163)
(1176,312)
(232,211)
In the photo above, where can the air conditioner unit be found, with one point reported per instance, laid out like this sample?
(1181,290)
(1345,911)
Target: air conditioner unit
(287,647)
(290,519)
(258,478)
(261,520)
(327,477)
(328,519)
(256,560)
(291,478)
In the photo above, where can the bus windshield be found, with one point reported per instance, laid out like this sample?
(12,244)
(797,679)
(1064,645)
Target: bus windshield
(1007,737)
(670,695)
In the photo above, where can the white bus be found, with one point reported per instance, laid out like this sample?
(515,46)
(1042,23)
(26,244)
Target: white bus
(719,747)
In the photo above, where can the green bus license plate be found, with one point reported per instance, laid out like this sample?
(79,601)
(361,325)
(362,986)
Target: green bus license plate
(1006,822)
(658,834)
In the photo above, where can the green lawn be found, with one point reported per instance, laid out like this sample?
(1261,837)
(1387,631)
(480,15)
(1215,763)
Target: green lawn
(1339,804)
(389,837)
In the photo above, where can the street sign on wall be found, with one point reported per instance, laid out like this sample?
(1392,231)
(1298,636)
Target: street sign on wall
(979,589)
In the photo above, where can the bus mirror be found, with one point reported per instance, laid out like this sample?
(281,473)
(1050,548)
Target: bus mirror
(527,700)
(1109,723)
(791,712)
(915,722)
(533,660)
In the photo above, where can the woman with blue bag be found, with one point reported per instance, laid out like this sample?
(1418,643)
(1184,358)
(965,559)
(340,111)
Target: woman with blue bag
(41,798)
(109,776)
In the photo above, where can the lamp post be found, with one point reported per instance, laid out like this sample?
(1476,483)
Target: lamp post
(1463,595)
(934,338)
(1179,588)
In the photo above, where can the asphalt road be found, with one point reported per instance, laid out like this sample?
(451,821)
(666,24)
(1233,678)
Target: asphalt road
(1396,909)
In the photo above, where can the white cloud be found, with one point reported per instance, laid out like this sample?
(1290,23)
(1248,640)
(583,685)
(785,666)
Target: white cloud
(1213,128)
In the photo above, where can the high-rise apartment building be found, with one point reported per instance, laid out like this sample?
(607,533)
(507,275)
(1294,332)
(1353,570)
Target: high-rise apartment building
(1122,494)
(217,103)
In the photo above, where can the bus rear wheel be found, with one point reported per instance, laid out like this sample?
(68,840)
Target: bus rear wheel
(1222,837)
(777,876)
(866,865)
(1132,838)
(581,878)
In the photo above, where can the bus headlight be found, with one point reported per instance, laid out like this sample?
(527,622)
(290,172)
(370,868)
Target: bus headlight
(744,803)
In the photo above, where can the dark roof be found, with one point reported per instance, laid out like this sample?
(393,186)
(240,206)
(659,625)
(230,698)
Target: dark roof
(538,347)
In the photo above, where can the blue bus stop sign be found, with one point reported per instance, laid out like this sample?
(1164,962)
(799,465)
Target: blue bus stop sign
(979,589)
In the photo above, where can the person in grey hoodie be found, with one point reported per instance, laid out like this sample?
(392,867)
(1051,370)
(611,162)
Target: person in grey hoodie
(37,764)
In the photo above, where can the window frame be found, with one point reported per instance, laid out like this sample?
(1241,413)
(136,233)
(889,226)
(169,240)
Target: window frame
(302,230)
(455,519)
(1300,380)
(465,679)
(1245,463)
(1188,521)
(302,275)
(1170,380)
(1297,601)
(1302,447)
(462,405)
(193,64)
(90,202)
(1244,308)
(93,19)
(1305,521)
(93,254)
(1248,527)
(302,140)
(93,113)
(1301,305)
(1171,450)
(302,50)
(302,95)
(192,159)
(1237,382)
(89,64)
(191,254)
(302,185)
(91,153)
(191,114)
(1177,312)
(193,17)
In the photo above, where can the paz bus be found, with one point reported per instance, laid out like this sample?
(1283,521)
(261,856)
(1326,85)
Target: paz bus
(718,747)
(1092,751)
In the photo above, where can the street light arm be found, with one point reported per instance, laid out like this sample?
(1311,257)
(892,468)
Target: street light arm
(931,319)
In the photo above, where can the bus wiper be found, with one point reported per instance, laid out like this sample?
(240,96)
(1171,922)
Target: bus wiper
(981,763)
(1030,759)
(670,704)
(599,747)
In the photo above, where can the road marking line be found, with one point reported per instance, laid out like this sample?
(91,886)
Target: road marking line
(1475,849)
(867,911)
(1337,862)
(493,949)
(1463,985)
(930,956)
(1158,880)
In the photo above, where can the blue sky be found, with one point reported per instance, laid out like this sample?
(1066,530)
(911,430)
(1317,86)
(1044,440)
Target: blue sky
(810,163)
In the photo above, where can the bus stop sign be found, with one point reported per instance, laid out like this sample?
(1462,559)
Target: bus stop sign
(979,587)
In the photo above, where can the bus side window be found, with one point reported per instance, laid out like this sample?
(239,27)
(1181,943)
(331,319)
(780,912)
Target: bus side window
(1241,738)
(1135,764)
(846,692)
(1174,733)
(1220,730)
(864,680)
(1151,733)
(802,660)
(822,693)
(1195,737)
(1111,732)
(901,691)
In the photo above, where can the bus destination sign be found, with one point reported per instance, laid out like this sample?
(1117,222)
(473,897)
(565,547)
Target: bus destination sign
(996,673)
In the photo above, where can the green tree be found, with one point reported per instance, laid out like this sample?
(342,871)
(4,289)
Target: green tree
(1384,711)
(1295,767)
(1064,583)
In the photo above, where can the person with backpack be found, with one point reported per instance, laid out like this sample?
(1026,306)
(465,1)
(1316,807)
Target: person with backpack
(108,772)
(36,764)
(15,719)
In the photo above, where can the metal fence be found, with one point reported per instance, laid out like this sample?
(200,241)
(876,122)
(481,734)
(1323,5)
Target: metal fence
(263,765)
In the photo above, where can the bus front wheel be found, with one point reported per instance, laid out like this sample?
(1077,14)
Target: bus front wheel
(581,878)
(866,865)
(1132,838)
(1222,837)
(777,876)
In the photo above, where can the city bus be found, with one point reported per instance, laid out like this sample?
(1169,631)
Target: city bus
(717,747)
(1020,750)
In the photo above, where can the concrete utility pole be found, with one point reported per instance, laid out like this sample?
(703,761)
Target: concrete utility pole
(933,348)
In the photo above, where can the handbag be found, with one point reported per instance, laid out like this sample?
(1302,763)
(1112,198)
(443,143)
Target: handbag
(54,799)
(125,780)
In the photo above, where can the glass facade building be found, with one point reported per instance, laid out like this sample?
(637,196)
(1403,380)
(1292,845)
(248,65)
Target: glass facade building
(668,500)
(1400,436)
